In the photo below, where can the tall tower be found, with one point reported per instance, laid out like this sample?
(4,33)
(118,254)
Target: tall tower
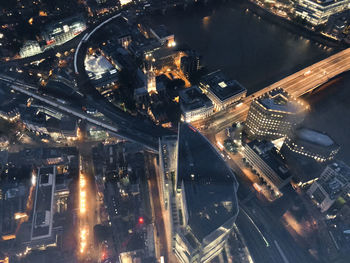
(151,81)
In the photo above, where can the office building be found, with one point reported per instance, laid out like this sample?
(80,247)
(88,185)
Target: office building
(317,12)
(269,165)
(194,104)
(308,143)
(200,195)
(273,115)
(221,90)
(332,185)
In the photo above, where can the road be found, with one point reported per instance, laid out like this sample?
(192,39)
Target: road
(121,128)
(260,227)
(157,213)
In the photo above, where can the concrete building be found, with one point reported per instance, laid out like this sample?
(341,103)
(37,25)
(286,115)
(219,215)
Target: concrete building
(200,193)
(221,90)
(273,115)
(30,48)
(332,185)
(194,104)
(309,143)
(317,12)
(264,159)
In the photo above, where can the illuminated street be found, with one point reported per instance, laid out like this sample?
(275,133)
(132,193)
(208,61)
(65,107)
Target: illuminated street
(178,131)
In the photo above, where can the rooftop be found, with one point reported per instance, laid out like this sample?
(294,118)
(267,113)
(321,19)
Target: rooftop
(209,184)
(193,98)
(161,31)
(269,155)
(42,213)
(315,137)
(280,101)
(221,86)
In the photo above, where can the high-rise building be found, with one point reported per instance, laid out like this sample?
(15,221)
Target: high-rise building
(332,185)
(199,195)
(317,12)
(273,115)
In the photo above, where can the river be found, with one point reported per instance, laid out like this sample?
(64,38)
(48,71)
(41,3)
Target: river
(246,47)
(257,53)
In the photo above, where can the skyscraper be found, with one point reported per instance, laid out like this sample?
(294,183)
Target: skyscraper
(200,191)
(272,115)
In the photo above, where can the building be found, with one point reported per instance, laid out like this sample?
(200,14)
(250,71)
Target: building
(332,185)
(190,63)
(194,104)
(317,12)
(30,48)
(273,115)
(309,143)
(63,31)
(268,164)
(162,34)
(221,90)
(199,195)
(35,198)
(102,73)
(151,81)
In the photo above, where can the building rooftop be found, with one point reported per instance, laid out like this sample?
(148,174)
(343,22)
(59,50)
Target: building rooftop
(315,137)
(315,141)
(193,98)
(324,3)
(280,101)
(209,184)
(333,185)
(269,155)
(42,212)
(221,86)
(161,31)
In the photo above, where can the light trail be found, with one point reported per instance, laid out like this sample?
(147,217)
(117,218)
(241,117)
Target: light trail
(256,227)
(83,233)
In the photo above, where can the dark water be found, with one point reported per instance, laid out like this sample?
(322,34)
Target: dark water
(257,53)
(330,112)
(254,51)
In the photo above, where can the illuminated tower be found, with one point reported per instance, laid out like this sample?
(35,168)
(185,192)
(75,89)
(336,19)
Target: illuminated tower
(273,115)
(151,81)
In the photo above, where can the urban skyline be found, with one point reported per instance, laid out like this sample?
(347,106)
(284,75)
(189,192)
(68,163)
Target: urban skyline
(174,131)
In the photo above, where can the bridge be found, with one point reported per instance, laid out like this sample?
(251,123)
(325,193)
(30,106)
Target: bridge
(122,131)
(297,84)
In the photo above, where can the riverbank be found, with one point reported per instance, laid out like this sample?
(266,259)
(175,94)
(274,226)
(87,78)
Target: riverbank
(246,47)
(292,26)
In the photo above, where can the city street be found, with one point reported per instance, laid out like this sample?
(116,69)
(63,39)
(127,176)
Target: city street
(157,211)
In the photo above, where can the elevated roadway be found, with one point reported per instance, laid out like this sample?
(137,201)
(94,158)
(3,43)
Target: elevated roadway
(297,84)
(121,130)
